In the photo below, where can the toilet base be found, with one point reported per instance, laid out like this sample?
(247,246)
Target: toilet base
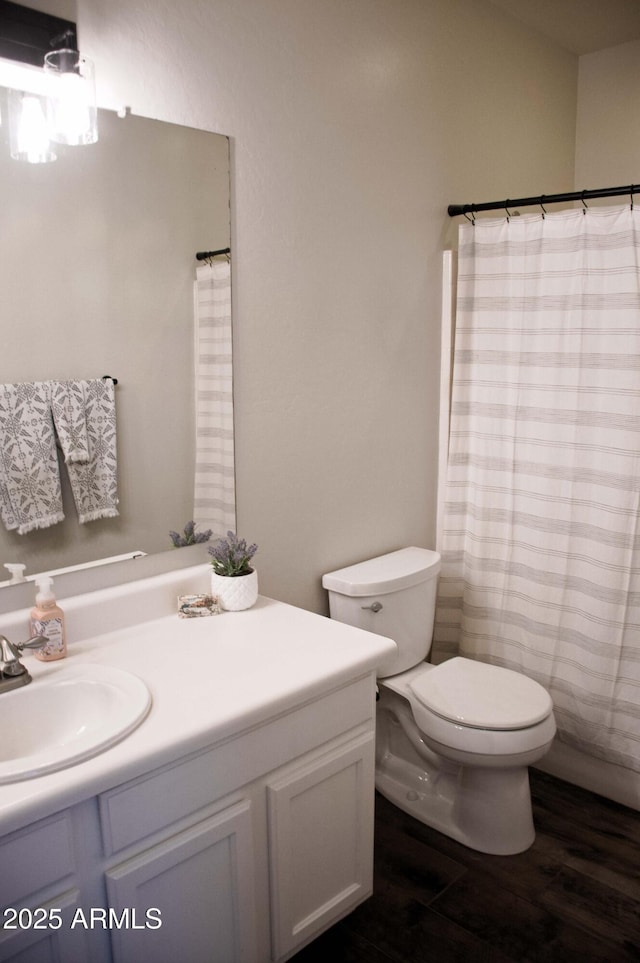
(487,809)
(475,826)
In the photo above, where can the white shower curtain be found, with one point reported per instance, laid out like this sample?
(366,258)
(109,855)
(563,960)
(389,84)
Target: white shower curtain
(541,554)
(214,490)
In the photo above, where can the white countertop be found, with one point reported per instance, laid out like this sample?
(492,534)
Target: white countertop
(210,678)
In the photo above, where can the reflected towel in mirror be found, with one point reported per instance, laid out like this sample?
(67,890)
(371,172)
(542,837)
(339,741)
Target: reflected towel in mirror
(85,417)
(30,493)
(68,405)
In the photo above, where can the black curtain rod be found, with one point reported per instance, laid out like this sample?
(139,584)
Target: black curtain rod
(542,199)
(205,255)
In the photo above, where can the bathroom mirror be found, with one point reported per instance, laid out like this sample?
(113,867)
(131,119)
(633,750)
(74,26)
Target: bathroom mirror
(97,265)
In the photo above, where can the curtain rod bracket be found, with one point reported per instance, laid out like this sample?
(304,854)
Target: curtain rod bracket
(207,255)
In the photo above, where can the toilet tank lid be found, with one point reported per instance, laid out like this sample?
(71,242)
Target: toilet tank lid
(384,574)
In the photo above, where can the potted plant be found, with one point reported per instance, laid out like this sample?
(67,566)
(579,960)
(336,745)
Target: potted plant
(233,580)
(189,536)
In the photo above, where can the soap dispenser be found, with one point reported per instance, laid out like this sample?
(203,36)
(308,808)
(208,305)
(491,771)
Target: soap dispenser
(16,572)
(47,618)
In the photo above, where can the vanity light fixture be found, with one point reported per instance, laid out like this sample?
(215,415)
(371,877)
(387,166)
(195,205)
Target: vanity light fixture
(51,86)
(72,115)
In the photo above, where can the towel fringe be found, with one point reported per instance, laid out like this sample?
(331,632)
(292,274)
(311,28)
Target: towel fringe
(98,514)
(43,522)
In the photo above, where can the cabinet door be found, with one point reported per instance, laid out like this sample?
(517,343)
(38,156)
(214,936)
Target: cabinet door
(198,885)
(320,842)
(46,934)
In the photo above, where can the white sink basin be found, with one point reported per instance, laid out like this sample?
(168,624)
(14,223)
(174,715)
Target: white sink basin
(58,721)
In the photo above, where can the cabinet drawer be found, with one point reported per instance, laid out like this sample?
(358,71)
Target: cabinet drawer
(35,858)
(153,803)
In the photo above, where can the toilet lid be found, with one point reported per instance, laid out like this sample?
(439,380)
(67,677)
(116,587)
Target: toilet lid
(482,696)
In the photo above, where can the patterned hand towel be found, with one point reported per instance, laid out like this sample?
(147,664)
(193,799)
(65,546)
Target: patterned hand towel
(30,494)
(69,416)
(93,481)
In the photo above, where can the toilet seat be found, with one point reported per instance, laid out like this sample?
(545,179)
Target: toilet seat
(481,696)
(447,735)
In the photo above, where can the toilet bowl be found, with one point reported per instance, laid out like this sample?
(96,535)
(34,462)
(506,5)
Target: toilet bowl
(465,774)
(454,741)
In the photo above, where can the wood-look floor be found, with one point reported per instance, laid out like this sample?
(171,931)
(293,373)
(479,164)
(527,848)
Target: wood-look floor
(574,896)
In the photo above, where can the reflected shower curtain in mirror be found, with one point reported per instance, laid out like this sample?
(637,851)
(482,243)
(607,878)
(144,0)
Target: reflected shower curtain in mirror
(540,545)
(214,491)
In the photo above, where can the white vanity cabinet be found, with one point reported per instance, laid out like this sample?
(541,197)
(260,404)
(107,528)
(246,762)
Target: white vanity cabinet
(239,853)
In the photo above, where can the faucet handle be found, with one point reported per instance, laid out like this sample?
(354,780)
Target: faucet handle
(10,653)
(37,642)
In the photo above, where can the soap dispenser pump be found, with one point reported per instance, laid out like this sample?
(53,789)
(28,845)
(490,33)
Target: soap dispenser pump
(16,571)
(47,618)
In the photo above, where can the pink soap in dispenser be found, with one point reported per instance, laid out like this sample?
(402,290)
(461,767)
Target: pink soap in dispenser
(47,618)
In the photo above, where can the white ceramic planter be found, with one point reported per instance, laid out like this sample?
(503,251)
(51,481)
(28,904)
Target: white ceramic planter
(235,592)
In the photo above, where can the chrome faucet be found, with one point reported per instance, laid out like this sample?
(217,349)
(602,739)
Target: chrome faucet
(12,672)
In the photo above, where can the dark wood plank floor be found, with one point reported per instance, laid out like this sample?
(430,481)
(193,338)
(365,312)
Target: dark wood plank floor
(574,896)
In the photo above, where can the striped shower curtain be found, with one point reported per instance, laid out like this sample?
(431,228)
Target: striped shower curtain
(214,490)
(540,543)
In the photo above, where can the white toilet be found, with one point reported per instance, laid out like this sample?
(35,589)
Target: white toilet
(454,740)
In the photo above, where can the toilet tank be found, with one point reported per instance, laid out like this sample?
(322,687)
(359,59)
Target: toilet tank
(392,595)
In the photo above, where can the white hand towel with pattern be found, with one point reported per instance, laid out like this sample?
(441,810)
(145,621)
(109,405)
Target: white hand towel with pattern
(30,493)
(69,416)
(94,482)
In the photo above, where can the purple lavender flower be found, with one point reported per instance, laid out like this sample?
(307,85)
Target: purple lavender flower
(190,536)
(231,555)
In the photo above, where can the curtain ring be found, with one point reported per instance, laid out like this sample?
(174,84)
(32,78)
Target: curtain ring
(631,195)
(472,219)
(544,213)
(506,210)
(585,206)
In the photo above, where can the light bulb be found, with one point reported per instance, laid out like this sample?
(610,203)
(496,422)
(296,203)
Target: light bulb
(29,137)
(71,106)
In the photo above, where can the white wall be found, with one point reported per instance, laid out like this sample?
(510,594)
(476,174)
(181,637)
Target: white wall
(608,124)
(353,124)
